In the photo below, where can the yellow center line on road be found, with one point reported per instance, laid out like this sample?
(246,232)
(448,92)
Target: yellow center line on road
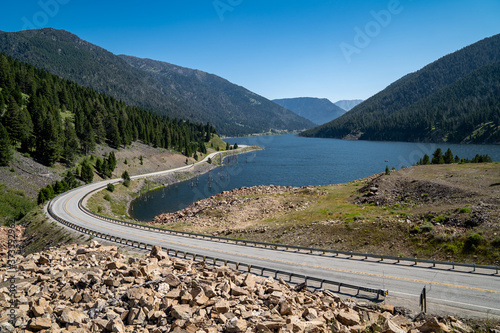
(456,286)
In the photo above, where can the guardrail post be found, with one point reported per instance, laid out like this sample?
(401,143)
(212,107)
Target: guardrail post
(249,268)
(215,261)
(194,257)
(237,265)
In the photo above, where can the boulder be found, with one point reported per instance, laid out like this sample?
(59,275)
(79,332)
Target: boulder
(236,325)
(114,265)
(348,317)
(28,266)
(40,323)
(72,317)
(172,280)
(181,311)
(391,327)
(433,325)
(221,306)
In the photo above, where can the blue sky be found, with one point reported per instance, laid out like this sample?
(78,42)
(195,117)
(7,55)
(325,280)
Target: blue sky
(344,49)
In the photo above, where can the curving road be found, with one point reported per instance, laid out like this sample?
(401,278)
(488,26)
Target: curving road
(460,291)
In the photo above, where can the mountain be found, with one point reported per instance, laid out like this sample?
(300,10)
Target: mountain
(455,99)
(226,104)
(56,120)
(317,110)
(348,104)
(167,89)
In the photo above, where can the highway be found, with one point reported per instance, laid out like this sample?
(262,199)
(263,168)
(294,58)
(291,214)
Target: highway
(459,291)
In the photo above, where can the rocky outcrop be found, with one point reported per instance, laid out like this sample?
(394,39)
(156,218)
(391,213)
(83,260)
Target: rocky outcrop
(94,288)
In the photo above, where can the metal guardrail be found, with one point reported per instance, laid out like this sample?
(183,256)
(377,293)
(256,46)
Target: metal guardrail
(320,283)
(286,247)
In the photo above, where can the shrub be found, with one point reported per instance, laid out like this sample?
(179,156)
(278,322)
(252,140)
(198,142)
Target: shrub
(472,242)
(440,218)
(496,242)
(451,248)
(415,230)
(110,187)
(107,197)
(427,227)
(464,210)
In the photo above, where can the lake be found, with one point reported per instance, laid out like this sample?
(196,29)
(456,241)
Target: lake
(289,160)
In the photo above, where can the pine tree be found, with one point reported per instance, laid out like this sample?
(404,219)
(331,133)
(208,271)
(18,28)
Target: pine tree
(70,179)
(6,151)
(71,142)
(448,157)
(87,173)
(12,121)
(207,133)
(41,197)
(98,165)
(112,161)
(49,145)
(426,160)
(87,138)
(126,178)
(2,103)
(437,157)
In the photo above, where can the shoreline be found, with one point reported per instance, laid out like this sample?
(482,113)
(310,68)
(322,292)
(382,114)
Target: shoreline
(162,180)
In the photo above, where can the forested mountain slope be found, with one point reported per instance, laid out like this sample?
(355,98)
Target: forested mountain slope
(233,110)
(54,119)
(224,103)
(454,99)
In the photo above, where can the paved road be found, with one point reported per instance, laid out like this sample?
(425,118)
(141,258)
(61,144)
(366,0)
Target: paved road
(459,291)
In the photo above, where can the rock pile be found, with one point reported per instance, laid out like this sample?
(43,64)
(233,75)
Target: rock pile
(241,209)
(94,288)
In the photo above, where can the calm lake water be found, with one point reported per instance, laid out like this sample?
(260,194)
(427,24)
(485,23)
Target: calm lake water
(289,160)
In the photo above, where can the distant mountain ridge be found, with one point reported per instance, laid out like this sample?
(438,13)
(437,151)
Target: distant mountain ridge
(162,87)
(317,110)
(455,99)
(348,104)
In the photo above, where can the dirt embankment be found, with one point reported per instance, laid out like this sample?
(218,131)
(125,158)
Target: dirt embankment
(446,212)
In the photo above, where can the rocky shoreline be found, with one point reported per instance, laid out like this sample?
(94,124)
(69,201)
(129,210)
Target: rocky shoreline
(239,205)
(95,288)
